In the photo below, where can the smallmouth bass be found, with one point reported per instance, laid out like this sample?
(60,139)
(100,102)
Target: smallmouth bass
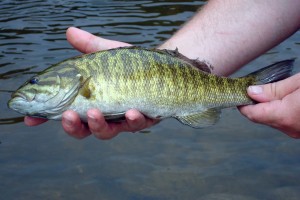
(158,83)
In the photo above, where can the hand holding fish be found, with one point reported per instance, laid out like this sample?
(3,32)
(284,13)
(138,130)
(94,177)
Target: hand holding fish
(279,105)
(136,121)
(228,44)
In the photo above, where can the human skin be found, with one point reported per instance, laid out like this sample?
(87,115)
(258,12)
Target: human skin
(279,105)
(227,34)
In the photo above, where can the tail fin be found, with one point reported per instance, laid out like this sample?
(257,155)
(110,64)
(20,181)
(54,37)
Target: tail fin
(275,72)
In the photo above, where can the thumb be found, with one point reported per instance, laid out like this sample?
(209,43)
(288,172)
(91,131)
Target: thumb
(274,91)
(86,42)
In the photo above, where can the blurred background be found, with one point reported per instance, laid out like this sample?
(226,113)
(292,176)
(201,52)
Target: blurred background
(235,159)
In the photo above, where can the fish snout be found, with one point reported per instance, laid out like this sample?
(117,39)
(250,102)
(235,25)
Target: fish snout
(23,96)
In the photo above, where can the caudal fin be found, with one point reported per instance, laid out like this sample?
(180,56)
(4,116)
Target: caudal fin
(275,72)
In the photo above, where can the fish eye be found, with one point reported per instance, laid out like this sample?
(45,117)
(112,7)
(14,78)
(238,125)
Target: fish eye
(34,80)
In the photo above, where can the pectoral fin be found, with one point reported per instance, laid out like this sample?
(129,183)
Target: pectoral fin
(115,117)
(200,120)
(85,89)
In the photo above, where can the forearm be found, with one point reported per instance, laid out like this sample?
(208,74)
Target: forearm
(228,34)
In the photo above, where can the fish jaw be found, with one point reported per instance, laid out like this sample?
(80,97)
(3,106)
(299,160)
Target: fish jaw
(21,105)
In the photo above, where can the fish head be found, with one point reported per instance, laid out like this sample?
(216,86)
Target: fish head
(47,94)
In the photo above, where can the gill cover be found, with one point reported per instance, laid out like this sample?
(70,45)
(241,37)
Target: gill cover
(63,98)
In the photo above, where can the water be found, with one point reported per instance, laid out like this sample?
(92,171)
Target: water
(235,159)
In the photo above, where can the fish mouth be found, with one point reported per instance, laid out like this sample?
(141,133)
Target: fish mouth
(22,96)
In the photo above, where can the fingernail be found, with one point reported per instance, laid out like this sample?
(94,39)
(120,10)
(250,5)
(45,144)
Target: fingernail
(130,118)
(67,121)
(91,117)
(255,90)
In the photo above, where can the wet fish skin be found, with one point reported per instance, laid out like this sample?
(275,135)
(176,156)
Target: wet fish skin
(159,83)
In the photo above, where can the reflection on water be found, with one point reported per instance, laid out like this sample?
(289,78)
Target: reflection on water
(16,72)
(235,159)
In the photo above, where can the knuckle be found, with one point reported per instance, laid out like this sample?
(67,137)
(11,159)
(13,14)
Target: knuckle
(273,90)
(77,134)
(103,136)
(261,114)
(104,133)
(100,134)
(136,125)
(255,116)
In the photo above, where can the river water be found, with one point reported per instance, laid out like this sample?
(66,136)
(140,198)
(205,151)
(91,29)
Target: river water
(235,159)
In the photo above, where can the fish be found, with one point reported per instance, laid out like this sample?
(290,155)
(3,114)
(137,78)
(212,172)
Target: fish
(159,83)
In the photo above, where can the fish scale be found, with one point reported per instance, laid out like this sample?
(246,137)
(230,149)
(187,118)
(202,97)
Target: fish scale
(158,83)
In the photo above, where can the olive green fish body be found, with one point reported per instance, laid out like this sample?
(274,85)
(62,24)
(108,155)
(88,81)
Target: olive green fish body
(159,86)
(159,83)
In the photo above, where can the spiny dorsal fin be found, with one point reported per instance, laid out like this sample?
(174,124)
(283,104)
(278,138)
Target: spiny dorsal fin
(202,65)
(200,120)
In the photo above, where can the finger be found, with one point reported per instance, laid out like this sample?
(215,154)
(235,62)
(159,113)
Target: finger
(137,121)
(274,114)
(268,113)
(274,91)
(73,125)
(32,121)
(86,42)
(99,127)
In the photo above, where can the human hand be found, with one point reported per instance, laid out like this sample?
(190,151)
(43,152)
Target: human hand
(278,106)
(135,121)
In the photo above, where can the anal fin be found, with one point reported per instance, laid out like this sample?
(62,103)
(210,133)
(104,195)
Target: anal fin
(200,120)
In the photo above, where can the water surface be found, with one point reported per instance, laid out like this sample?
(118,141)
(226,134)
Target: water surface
(235,159)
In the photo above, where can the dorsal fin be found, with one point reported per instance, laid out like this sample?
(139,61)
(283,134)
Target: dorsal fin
(202,65)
